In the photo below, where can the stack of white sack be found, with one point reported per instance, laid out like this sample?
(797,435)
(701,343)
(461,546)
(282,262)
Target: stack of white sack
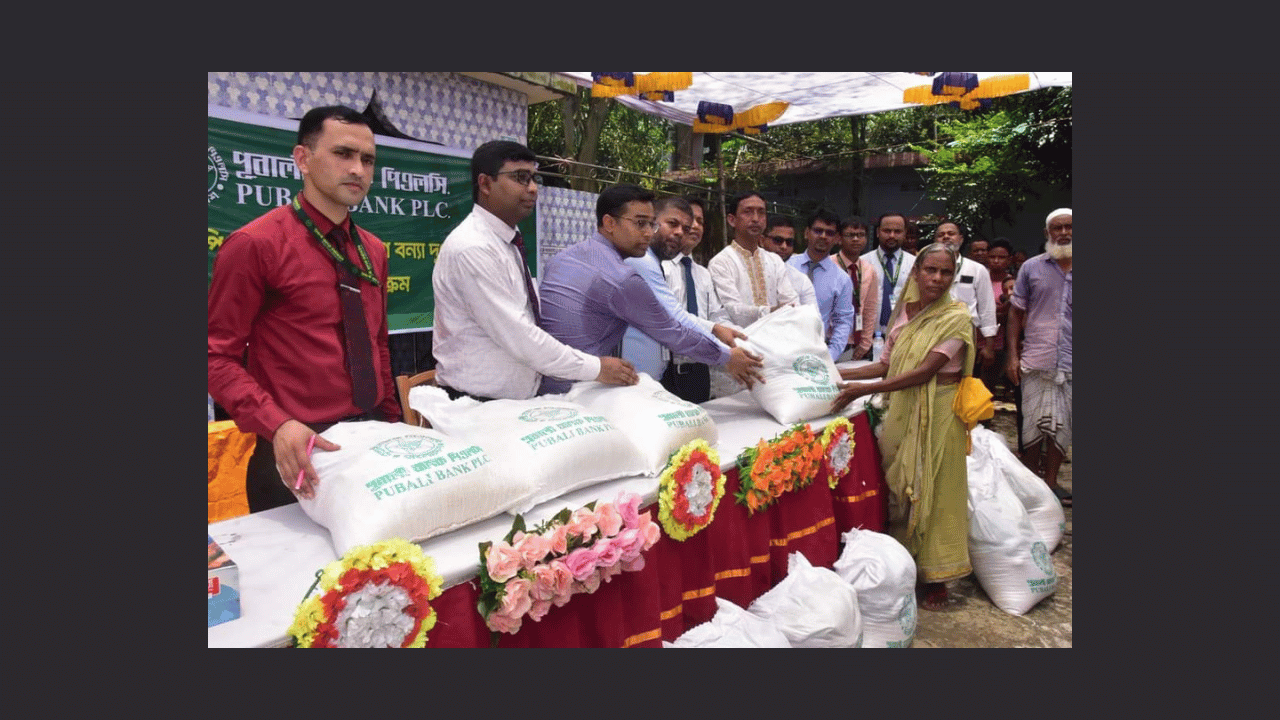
(882,572)
(557,445)
(392,480)
(660,423)
(1043,507)
(812,606)
(731,627)
(1009,558)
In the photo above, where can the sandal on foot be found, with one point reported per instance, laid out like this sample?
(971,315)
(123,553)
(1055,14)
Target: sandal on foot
(1063,496)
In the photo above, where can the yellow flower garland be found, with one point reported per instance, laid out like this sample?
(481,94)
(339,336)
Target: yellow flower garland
(416,575)
(672,513)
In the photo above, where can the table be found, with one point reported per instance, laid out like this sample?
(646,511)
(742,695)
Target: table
(738,557)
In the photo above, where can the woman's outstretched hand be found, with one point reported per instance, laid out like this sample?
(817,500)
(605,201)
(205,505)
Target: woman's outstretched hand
(848,393)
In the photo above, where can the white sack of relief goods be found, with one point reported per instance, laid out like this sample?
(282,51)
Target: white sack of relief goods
(731,627)
(557,445)
(392,480)
(1043,507)
(660,423)
(1009,559)
(881,570)
(812,606)
(800,379)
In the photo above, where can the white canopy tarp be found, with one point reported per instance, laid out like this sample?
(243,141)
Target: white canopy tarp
(811,95)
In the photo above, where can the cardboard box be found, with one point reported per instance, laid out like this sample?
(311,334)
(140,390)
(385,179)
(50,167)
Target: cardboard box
(224,586)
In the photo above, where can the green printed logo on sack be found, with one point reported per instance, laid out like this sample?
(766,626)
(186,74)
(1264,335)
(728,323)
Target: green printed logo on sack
(692,416)
(424,472)
(811,368)
(1049,582)
(409,446)
(907,617)
(547,414)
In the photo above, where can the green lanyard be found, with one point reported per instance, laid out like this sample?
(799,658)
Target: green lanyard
(333,252)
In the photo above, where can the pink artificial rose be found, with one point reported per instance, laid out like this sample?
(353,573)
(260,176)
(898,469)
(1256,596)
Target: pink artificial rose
(516,599)
(634,564)
(539,609)
(500,622)
(608,552)
(608,571)
(502,562)
(609,520)
(649,530)
(544,583)
(632,543)
(590,583)
(532,549)
(582,523)
(581,563)
(628,505)
(560,539)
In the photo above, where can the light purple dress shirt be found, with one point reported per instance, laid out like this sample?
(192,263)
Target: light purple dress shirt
(1043,291)
(589,296)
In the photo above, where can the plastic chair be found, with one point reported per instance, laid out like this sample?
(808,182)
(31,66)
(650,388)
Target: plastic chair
(403,384)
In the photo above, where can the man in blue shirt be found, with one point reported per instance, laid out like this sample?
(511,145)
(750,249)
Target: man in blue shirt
(831,285)
(589,295)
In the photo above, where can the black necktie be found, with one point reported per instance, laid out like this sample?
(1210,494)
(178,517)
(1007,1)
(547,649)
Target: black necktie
(690,292)
(364,382)
(518,241)
(887,299)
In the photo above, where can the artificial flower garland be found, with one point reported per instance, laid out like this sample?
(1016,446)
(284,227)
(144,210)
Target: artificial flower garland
(528,572)
(375,596)
(689,490)
(838,443)
(769,469)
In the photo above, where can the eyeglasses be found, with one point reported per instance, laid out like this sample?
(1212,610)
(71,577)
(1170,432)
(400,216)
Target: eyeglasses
(783,240)
(856,233)
(644,224)
(524,177)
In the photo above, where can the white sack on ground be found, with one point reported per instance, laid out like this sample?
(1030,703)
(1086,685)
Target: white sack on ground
(557,445)
(1009,559)
(392,480)
(882,572)
(800,379)
(1043,507)
(812,606)
(731,627)
(659,422)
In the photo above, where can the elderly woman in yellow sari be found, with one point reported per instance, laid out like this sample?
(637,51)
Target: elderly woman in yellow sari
(922,442)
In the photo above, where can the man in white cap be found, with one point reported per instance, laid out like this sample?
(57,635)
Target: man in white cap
(1041,362)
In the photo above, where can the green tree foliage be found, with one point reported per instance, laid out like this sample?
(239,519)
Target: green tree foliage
(602,132)
(985,164)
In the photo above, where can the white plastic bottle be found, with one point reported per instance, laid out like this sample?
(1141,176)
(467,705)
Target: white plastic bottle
(877,347)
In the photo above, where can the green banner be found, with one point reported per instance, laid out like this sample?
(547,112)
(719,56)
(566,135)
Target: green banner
(419,194)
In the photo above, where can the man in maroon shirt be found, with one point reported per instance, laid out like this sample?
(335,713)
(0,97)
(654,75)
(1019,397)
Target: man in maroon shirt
(275,291)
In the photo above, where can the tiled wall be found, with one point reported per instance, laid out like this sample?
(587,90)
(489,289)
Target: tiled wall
(565,217)
(443,107)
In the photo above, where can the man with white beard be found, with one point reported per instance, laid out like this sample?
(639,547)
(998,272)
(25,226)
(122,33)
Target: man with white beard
(1041,363)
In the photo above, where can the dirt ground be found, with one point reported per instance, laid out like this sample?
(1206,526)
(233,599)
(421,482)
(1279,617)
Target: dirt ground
(972,620)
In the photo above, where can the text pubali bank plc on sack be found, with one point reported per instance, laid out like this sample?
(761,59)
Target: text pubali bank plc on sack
(224,586)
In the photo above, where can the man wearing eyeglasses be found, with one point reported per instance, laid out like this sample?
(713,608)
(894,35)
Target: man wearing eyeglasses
(831,285)
(489,337)
(648,355)
(751,281)
(780,238)
(866,286)
(590,295)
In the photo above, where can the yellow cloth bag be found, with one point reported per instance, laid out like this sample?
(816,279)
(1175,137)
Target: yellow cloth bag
(972,405)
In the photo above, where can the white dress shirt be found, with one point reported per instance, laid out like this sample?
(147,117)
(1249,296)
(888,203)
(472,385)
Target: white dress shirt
(902,268)
(709,307)
(750,285)
(972,287)
(645,353)
(486,341)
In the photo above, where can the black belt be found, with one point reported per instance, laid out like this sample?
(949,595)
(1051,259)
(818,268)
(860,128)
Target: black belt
(678,367)
(455,394)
